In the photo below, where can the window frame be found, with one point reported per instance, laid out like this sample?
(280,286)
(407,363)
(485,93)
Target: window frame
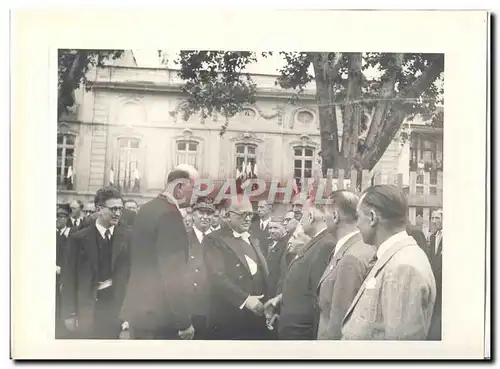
(187,152)
(138,160)
(64,146)
(303,158)
(245,156)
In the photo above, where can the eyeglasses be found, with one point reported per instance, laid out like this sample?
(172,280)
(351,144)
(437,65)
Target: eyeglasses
(115,209)
(243,215)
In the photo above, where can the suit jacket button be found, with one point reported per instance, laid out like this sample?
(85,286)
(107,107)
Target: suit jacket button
(194,284)
(196,270)
(238,265)
(192,257)
(240,277)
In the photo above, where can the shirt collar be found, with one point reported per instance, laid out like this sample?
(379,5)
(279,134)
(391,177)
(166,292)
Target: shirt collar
(171,199)
(215,228)
(343,241)
(102,230)
(199,234)
(317,234)
(264,223)
(63,231)
(387,244)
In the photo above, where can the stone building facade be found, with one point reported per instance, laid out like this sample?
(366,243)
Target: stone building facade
(129,130)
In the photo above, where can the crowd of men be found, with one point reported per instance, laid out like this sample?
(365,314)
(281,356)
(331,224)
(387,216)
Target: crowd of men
(352,269)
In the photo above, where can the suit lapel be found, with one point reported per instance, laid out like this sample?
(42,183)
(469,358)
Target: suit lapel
(90,246)
(377,267)
(237,249)
(336,258)
(311,243)
(119,243)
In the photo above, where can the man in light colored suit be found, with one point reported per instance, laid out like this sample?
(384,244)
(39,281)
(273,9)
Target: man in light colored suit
(396,300)
(349,264)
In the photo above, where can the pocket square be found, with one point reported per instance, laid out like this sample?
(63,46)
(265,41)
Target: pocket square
(371,283)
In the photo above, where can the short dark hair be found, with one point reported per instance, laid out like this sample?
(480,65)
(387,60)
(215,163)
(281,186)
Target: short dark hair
(104,194)
(177,174)
(389,200)
(347,202)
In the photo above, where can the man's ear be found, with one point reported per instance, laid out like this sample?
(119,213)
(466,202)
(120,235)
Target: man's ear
(374,218)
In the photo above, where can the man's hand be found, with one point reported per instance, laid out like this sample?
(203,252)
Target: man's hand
(125,335)
(187,334)
(255,305)
(71,323)
(271,305)
(58,269)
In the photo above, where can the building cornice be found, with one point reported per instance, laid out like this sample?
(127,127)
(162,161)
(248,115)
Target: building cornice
(176,88)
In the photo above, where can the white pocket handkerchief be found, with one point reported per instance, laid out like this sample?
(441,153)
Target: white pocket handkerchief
(251,265)
(371,283)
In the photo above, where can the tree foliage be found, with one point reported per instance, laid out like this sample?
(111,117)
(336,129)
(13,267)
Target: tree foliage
(73,66)
(373,106)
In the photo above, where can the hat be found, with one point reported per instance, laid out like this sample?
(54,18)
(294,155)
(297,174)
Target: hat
(62,211)
(205,204)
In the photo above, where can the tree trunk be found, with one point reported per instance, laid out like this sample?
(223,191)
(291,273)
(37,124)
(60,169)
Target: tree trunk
(325,72)
(387,131)
(70,83)
(352,112)
(383,105)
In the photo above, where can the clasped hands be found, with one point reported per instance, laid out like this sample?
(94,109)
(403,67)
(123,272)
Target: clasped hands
(269,308)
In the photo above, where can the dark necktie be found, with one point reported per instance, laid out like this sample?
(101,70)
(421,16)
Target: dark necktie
(107,235)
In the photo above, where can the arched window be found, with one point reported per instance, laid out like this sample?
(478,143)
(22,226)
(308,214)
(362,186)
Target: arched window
(246,158)
(128,170)
(187,153)
(65,161)
(303,157)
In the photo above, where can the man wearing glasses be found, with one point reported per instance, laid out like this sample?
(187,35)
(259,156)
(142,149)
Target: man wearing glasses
(96,271)
(239,278)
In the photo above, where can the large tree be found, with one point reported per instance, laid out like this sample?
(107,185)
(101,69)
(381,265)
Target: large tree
(373,105)
(73,66)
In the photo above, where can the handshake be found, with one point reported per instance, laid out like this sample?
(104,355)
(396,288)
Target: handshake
(269,309)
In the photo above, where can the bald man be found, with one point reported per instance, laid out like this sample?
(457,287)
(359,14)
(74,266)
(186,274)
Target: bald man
(238,274)
(157,299)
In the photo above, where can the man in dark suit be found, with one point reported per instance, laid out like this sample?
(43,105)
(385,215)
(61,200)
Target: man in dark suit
(62,232)
(435,255)
(418,235)
(259,227)
(76,217)
(203,212)
(298,309)
(276,253)
(238,276)
(350,262)
(96,271)
(157,299)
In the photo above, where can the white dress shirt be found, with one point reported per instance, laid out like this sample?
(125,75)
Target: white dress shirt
(387,244)
(439,239)
(199,234)
(264,223)
(102,230)
(64,231)
(343,241)
(252,265)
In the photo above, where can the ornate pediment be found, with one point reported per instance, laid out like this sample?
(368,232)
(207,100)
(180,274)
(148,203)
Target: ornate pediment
(247,137)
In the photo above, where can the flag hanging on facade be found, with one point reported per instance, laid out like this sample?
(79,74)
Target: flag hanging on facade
(111,176)
(70,174)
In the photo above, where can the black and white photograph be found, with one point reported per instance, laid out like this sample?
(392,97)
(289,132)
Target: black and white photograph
(251,194)
(227,265)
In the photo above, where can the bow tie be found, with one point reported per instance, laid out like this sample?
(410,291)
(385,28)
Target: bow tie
(244,235)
